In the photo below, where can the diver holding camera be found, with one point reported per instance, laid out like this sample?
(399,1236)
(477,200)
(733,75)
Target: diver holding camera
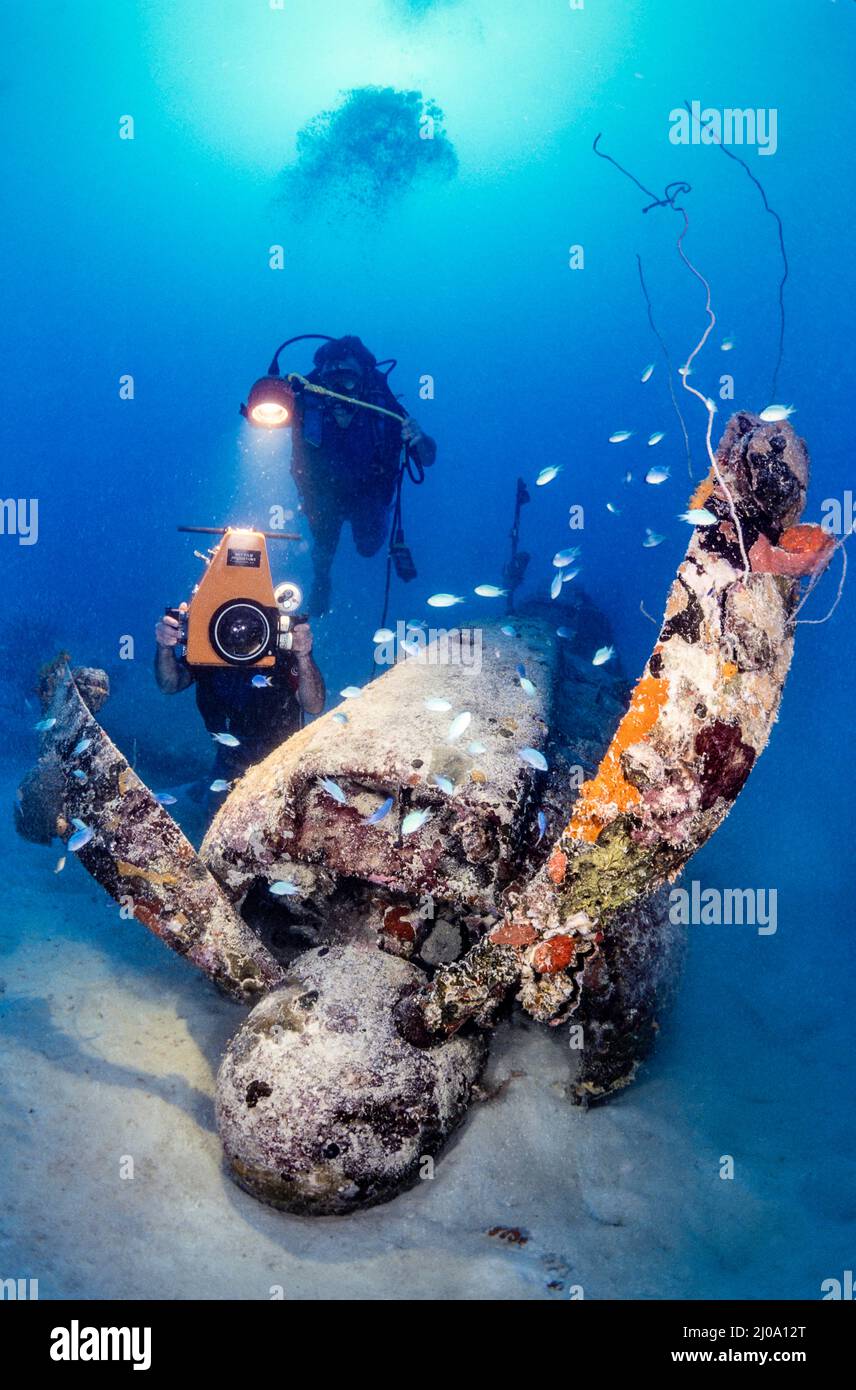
(246,650)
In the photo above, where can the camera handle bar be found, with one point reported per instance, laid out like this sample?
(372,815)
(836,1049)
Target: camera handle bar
(221,531)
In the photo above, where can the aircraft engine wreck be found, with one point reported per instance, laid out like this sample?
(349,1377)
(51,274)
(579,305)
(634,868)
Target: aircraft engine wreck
(385,883)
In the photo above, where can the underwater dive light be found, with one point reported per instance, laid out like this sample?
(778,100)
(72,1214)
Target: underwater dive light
(270,403)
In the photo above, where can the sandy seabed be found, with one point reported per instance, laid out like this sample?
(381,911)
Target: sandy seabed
(110,1047)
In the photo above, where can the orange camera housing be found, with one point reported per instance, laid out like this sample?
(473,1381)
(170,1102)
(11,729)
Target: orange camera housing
(233,618)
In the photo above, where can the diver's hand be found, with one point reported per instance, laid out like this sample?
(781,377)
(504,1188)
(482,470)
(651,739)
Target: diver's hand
(301,640)
(411,432)
(168,630)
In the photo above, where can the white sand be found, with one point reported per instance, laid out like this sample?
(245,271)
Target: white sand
(111,1044)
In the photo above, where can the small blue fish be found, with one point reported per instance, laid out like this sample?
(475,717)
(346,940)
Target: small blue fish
(80,747)
(602,656)
(655,438)
(611,507)
(556,586)
(381,813)
(333,789)
(43,725)
(413,821)
(340,718)
(476,747)
(534,758)
(773,414)
(648,372)
(351,692)
(652,538)
(80,776)
(220,785)
(78,823)
(260,682)
(726,345)
(508,631)
(228,740)
(657,475)
(165,798)
(437,705)
(79,839)
(458,725)
(699,516)
(564,632)
(490,591)
(444,600)
(542,827)
(620,436)
(527,687)
(566,557)
(284,888)
(384,634)
(548,474)
(520,670)
(444,784)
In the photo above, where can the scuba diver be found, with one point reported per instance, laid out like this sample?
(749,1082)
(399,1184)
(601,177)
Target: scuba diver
(258,712)
(346,462)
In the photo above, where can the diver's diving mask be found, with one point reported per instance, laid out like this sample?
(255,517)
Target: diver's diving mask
(344,382)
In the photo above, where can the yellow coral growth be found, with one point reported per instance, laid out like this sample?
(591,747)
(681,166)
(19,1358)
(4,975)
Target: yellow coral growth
(729,669)
(609,791)
(703,491)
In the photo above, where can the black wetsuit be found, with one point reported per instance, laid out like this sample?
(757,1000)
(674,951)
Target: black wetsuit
(260,717)
(346,474)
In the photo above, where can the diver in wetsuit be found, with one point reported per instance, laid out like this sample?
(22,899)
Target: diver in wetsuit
(260,716)
(345,461)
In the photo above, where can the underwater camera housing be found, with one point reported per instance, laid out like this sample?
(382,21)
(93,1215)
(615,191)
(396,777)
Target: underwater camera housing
(236,616)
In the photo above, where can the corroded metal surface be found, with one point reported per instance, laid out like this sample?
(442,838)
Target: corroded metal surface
(321,1105)
(137,851)
(279,822)
(698,719)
